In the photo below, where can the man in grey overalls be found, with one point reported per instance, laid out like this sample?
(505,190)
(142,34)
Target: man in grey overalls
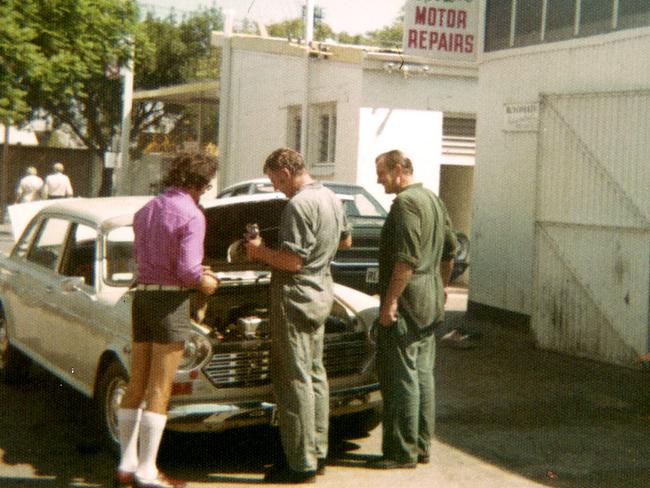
(312,227)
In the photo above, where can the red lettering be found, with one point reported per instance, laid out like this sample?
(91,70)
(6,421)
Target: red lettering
(469,44)
(413,38)
(420,15)
(458,43)
(462,19)
(442,45)
(441,17)
(423,39)
(433,39)
(451,18)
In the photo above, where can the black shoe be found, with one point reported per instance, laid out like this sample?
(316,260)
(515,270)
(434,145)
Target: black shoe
(423,459)
(387,463)
(287,475)
(320,469)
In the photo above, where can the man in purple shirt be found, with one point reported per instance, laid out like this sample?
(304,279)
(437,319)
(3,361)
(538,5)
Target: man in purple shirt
(169,235)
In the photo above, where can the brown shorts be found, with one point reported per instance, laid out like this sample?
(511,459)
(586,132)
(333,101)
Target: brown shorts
(162,317)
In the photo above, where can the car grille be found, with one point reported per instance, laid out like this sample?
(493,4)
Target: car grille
(251,367)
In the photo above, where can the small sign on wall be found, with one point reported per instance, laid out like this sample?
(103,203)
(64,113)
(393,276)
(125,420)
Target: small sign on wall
(521,117)
(441,29)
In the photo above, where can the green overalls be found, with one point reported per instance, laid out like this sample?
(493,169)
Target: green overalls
(418,232)
(311,226)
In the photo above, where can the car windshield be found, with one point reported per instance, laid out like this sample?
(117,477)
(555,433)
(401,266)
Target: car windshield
(358,202)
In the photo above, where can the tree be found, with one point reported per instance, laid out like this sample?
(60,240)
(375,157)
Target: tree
(20,59)
(295,28)
(79,40)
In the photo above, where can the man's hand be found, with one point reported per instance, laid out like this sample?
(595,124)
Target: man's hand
(208,284)
(388,314)
(253,247)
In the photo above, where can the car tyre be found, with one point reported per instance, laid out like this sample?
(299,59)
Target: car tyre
(108,396)
(14,365)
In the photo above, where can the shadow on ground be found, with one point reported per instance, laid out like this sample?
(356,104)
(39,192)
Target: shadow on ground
(556,419)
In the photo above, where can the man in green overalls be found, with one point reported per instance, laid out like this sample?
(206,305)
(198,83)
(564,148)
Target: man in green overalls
(415,259)
(312,227)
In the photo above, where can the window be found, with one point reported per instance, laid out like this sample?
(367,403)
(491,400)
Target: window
(325,114)
(79,258)
(537,21)
(120,264)
(294,127)
(595,17)
(528,22)
(497,24)
(49,243)
(560,20)
(633,13)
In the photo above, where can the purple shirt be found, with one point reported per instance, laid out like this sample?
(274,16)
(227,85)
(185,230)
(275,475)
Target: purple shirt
(169,234)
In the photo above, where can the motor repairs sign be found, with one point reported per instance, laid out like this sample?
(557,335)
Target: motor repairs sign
(442,29)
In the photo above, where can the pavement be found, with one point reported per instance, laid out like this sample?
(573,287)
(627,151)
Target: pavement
(512,415)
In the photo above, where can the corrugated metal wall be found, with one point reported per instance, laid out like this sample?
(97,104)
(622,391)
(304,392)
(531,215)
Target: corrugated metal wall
(592,225)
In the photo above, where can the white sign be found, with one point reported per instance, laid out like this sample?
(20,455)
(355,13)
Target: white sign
(112,159)
(441,29)
(522,117)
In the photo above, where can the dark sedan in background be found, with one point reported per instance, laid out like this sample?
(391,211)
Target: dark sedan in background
(356,267)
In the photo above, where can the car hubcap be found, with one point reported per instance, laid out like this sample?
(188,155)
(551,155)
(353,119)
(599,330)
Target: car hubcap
(114,395)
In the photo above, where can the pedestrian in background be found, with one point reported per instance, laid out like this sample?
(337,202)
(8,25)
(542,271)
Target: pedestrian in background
(168,247)
(29,187)
(312,227)
(57,184)
(416,252)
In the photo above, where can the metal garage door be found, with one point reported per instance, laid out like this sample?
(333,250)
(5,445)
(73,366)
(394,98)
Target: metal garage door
(592,225)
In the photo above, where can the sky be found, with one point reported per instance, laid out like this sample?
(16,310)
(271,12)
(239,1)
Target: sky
(351,16)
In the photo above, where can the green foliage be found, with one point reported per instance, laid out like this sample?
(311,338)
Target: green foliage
(20,60)
(295,28)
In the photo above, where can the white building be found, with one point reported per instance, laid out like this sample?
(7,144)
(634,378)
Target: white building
(360,102)
(561,209)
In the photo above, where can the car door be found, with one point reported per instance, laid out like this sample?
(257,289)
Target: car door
(32,302)
(80,336)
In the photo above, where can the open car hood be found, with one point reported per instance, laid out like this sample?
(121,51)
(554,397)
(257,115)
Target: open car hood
(226,224)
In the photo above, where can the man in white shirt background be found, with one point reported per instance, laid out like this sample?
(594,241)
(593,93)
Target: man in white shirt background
(57,184)
(29,187)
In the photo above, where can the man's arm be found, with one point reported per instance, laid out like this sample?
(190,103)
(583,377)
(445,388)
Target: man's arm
(346,240)
(401,276)
(281,259)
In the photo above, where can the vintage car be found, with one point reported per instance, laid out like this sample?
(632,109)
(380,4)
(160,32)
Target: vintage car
(65,302)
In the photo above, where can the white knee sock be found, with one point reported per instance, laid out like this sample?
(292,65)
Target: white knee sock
(152,426)
(128,426)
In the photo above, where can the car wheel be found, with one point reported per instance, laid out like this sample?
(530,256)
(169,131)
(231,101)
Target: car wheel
(108,397)
(356,425)
(14,365)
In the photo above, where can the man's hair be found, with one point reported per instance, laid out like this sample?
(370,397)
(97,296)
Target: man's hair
(31,170)
(285,158)
(394,158)
(58,167)
(191,170)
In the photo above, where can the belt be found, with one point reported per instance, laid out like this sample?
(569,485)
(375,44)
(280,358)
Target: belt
(152,287)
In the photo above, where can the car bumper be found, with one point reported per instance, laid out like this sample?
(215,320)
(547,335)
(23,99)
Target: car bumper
(211,417)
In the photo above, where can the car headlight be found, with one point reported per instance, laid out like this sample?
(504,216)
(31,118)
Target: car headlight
(198,351)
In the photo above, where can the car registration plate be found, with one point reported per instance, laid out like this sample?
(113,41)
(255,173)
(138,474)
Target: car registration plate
(372,275)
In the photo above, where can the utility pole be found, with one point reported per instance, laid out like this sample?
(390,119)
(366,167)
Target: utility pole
(4,173)
(309,35)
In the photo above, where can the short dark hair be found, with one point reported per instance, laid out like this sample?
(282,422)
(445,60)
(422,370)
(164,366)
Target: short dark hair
(191,170)
(394,158)
(285,158)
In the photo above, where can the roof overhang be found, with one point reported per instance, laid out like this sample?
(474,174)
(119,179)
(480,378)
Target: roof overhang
(186,94)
